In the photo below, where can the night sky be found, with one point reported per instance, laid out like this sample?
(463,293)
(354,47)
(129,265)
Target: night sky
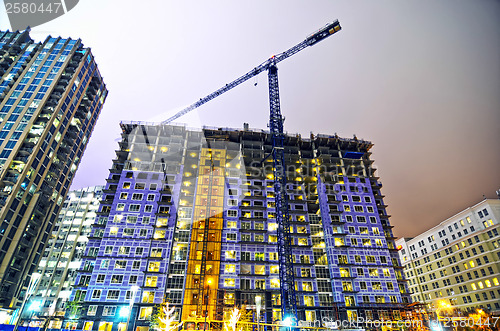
(420,79)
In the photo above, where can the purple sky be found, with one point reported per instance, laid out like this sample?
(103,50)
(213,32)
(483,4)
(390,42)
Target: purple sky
(420,79)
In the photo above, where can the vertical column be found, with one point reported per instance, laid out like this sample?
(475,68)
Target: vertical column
(205,246)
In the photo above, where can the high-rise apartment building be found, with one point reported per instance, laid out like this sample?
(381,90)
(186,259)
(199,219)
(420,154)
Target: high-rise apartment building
(457,262)
(64,253)
(188,216)
(51,94)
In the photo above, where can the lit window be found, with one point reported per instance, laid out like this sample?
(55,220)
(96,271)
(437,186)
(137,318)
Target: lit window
(229,282)
(308,301)
(302,241)
(230,254)
(275,283)
(231,224)
(230,268)
(307,286)
(274,269)
(260,270)
(154,266)
(339,241)
(159,234)
(145,313)
(151,281)
(148,297)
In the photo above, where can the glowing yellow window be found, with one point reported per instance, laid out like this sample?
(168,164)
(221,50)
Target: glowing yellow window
(230,268)
(339,241)
(373,272)
(495,281)
(349,301)
(367,242)
(148,297)
(307,286)
(378,242)
(472,265)
(231,224)
(488,283)
(302,241)
(473,286)
(466,266)
(145,313)
(272,226)
(113,230)
(347,208)
(275,283)
(386,273)
(154,266)
(308,301)
(273,238)
(260,270)
(274,269)
(229,298)
(159,234)
(345,272)
(481,286)
(162,222)
(229,282)
(230,254)
(151,281)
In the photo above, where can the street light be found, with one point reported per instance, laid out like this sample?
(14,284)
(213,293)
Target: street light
(31,288)
(134,290)
(258,304)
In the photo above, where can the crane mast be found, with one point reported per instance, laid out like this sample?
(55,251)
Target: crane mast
(284,243)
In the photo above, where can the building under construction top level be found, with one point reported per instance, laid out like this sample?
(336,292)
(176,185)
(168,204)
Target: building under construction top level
(188,218)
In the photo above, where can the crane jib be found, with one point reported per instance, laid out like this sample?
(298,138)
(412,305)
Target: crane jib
(314,38)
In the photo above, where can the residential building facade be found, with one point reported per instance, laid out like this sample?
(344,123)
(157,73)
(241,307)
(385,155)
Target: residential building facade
(188,217)
(64,253)
(458,261)
(51,94)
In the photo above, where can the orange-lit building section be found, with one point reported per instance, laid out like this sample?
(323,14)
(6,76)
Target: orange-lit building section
(205,246)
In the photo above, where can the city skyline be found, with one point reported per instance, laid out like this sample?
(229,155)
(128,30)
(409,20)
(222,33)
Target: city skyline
(419,80)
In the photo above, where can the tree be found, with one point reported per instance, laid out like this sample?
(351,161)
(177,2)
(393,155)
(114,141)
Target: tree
(164,318)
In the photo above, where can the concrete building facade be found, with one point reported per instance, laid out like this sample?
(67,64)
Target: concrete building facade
(51,94)
(188,218)
(457,261)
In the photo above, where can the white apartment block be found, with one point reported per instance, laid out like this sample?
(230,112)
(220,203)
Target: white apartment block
(64,252)
(457,261)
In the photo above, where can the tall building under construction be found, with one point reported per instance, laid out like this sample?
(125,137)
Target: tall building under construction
(51,94)
(188,217)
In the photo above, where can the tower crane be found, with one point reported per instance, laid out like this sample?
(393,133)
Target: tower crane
(285,261)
